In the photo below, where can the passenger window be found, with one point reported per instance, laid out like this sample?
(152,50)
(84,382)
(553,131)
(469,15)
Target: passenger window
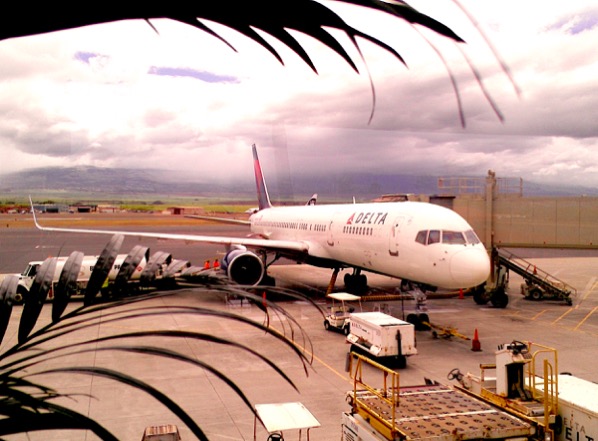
(434,236)
(453,237)
(421,237)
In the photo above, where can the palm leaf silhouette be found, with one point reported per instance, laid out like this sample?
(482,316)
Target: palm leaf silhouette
(273,17)
(24,400)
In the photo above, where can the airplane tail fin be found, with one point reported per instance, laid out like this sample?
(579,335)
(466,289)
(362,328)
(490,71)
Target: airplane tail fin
(263,198)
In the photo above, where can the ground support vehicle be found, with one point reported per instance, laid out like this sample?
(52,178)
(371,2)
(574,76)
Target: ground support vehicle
(127,268)
(537,285)
(495,288)
(382,337)
(578,409)
(564,407)
(524,399)
(338,314)
(428,412)
(27,277)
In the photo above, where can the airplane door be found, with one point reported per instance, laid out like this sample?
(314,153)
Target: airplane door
(393,240)
(330,239)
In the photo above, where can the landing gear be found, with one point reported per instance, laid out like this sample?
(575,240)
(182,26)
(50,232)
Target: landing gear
(421,322)
(418,292)
(356,283)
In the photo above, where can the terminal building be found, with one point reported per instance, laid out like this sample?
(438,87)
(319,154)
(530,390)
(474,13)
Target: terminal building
(503,217)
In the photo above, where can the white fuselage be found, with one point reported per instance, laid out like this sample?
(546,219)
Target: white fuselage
(416,241)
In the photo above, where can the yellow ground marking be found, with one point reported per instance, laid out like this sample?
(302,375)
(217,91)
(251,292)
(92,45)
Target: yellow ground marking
(589,291)
(539,314)
(563,315)
(344,376)
(588,315)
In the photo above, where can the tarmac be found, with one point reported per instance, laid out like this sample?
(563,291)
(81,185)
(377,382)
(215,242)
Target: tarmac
(321,387)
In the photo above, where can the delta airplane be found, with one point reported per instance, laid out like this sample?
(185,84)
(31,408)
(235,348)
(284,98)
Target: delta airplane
(423,244)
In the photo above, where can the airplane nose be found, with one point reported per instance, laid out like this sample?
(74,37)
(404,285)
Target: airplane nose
(470,267)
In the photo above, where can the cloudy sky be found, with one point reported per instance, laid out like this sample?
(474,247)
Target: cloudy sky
(122,95)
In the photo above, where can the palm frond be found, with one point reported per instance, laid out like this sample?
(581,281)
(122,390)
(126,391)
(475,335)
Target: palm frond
(44,415)
(273,17)
(138,384)
(21,398)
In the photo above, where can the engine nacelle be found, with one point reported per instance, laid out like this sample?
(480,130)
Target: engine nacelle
(243,267)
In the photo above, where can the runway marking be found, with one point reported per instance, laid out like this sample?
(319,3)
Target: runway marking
(588,315)
(539,314)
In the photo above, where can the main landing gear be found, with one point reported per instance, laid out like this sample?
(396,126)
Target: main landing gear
(356,283)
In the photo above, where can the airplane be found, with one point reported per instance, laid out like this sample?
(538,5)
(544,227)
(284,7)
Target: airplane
(423,244)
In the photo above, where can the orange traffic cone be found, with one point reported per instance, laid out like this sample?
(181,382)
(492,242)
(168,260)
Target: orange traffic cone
(476,346)
(216,264)
(461,293)
(206,264)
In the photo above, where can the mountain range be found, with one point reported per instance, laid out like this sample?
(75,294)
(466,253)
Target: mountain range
(122,182)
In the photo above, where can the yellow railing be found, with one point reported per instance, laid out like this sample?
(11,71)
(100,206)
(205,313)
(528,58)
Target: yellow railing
(544,386)
(388,393)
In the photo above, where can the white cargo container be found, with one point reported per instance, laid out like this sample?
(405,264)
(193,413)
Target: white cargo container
(382,337)
(578,409)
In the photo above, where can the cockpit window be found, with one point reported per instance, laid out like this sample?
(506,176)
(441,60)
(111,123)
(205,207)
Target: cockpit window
(472,238)
(434,236)
(428,237)
(422,237)
(453,237)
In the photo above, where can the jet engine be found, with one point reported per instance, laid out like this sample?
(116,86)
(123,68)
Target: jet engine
(243,267)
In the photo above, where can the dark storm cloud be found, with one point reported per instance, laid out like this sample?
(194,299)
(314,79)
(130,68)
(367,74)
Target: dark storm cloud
(45,135)
(135,105)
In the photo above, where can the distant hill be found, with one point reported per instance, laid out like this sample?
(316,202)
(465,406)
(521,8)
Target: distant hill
(121,182)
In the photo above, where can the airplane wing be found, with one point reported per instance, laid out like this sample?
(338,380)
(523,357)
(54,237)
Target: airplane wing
(249,242)
(224,220)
